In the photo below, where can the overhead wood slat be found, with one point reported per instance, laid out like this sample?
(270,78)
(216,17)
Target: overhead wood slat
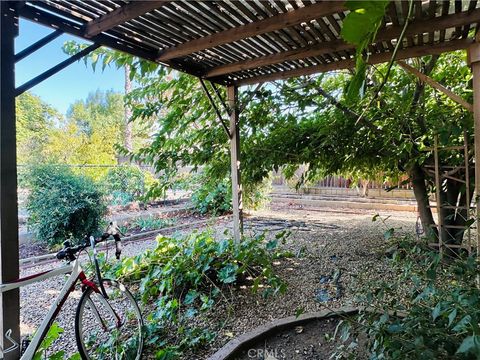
(120,15)
(244,40)
(388,34)
(302,53)
(255,28)
(415,51)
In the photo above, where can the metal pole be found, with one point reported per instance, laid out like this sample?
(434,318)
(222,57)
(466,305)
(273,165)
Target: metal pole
(232,92)
(9,263)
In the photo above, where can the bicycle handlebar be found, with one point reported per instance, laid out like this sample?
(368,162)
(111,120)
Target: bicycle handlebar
(69,252)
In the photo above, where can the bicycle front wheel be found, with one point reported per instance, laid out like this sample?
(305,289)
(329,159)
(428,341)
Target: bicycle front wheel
(109,328)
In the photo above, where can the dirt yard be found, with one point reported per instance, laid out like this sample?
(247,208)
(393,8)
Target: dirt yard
(334,249)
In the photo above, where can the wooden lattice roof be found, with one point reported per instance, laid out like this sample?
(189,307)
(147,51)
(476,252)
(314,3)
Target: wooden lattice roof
(246,42)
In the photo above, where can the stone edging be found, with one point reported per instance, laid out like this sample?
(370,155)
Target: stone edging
(242,341)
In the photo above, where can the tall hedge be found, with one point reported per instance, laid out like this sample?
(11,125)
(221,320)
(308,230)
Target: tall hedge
(62,205)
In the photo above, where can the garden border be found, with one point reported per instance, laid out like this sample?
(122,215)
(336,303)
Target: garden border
(234,346)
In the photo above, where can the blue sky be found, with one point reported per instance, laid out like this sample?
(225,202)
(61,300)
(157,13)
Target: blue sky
(73,83)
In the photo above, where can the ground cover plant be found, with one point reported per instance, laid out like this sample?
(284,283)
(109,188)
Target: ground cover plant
(152,223)
(183,278)
(63,205)
(431,310)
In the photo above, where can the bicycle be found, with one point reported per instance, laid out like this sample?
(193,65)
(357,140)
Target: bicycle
(108,320)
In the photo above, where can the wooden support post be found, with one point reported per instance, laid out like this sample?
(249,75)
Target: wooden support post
(438,199)
(474,60)
(232,92)
(9,265)
(467,187)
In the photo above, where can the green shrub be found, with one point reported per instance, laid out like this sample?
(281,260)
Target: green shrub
(212,197)
(186,277)
(152,223)
(256,196)
(62,205)
(125,183)
(440,303)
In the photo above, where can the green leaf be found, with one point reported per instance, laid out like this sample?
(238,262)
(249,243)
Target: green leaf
(471,344)
(190,313)
(190,297)
(395,328)
(355,89)
(463,324)
(452,316)
(272,245)
(228,274)
(57,356)
(299,311)
(363,20)
(436,311)
(389,233)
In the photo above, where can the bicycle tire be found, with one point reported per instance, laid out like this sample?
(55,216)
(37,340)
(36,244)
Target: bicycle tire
(109,336)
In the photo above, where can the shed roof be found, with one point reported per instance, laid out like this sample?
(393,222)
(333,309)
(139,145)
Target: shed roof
(246,42)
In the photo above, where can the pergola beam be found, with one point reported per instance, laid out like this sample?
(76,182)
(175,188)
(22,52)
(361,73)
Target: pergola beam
(426,79)
(37,45)
(301,53)
(9,255)
(45,18)
(416,51)
(388,34)
(215,107)
(55,69)
(273,23)
(120,15)
(474,62)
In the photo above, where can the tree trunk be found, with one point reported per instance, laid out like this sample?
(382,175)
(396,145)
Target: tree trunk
(420,191)
(128,143)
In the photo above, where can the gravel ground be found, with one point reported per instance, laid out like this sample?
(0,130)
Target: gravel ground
(328,243)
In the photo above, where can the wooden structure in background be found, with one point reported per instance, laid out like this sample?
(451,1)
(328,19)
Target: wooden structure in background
(229,43)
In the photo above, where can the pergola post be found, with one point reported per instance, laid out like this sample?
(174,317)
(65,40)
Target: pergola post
(9,264)
(474,60)
(232,93)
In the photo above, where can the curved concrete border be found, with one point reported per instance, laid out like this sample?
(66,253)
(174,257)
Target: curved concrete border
(233,347)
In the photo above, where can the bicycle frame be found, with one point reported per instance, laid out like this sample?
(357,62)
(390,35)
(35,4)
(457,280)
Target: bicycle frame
(76,273)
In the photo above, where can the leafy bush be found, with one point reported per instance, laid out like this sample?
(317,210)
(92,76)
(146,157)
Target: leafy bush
(152,223)
(439,301)
(215,197)
(256,196)
(62,205)
(126,183)
(212,197)
(186,277)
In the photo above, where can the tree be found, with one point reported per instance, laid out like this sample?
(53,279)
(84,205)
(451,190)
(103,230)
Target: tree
(306,121)
(35,121)
(89,133)
(128,141)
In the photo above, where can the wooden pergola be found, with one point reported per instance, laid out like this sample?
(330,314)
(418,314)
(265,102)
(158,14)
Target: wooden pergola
(228,43)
